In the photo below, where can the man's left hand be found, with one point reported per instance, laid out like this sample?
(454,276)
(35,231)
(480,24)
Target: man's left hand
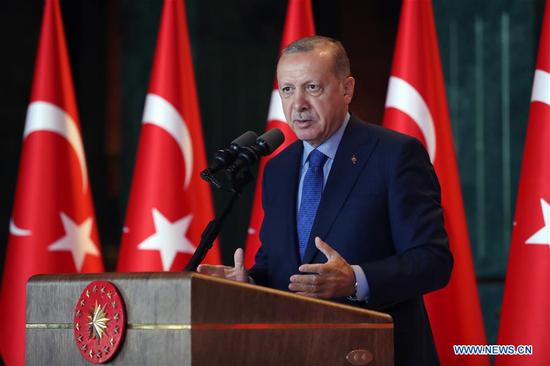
(335,278)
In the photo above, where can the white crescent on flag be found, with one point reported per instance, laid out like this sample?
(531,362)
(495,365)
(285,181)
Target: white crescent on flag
(276,108)
(44,116)
(403,96)
(541,87)
(159,112)
(17,231)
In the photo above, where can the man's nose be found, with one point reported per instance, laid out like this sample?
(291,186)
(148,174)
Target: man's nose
(300,101)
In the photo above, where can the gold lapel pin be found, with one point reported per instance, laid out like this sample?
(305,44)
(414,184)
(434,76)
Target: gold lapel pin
(353,159)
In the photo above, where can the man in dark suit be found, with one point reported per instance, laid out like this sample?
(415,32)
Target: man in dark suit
(351,211)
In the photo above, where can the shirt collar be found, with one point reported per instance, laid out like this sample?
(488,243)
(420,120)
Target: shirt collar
(330,145)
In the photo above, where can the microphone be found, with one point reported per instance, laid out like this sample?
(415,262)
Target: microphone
(265,145)
(224,157)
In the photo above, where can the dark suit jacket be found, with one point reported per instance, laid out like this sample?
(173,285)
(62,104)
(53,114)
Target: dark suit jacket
(382,212)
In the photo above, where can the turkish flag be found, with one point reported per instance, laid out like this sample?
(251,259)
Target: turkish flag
(169,204)
(526,304)
(416,105)
(298,24)
(53,226)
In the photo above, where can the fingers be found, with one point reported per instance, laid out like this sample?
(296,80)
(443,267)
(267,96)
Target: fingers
(311,286)
(212,270)
(325,248)
(240,273)
(312,268)
(328,280)
(302,288)
(238,259)
(305,283)
(237,273)
(310,279)
(204,268)
(321,268)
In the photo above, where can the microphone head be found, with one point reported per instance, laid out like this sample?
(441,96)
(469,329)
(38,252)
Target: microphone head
(246,139)
(270,141)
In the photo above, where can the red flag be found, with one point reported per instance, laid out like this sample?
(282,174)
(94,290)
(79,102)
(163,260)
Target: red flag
(416,105)
(526,303)
(298,24)
(53,227)
(169,204)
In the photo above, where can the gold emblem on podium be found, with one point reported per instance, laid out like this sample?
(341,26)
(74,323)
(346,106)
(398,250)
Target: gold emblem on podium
(99,322)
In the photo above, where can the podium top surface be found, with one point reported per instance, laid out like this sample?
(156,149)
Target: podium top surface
(182,298)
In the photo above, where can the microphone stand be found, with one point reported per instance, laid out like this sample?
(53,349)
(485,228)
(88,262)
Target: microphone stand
(238,180)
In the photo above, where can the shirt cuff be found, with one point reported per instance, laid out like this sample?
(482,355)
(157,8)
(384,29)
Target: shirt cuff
(363,290)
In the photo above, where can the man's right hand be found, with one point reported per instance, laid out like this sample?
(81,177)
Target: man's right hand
(236,273)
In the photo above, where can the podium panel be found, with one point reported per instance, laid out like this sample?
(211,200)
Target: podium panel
(192,319)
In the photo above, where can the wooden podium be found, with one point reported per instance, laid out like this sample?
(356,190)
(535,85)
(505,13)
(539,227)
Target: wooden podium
(192,319)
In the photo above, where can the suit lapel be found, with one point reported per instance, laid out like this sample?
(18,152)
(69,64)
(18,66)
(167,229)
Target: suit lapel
(288,197)
(350,160)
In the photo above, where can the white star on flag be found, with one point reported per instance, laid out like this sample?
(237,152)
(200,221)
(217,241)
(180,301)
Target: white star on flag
(543,235)
(169,238)
(76,240)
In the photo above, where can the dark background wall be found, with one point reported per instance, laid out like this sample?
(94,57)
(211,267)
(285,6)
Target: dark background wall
(487,48)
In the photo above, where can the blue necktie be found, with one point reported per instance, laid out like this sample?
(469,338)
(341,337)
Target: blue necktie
(312,188)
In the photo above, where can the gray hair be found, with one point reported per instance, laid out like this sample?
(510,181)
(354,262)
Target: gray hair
(306,44)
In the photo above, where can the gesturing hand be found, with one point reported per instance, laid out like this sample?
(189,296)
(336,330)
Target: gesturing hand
(335,278)
(236,273)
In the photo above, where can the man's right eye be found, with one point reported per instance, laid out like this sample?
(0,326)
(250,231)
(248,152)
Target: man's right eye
(286,89)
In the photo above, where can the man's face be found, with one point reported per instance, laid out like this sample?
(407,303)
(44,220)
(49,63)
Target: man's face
(315,100)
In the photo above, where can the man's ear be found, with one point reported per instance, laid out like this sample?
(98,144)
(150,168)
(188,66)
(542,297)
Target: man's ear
(349,87)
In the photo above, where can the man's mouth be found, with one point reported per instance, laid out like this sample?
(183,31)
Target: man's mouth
(302,122)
